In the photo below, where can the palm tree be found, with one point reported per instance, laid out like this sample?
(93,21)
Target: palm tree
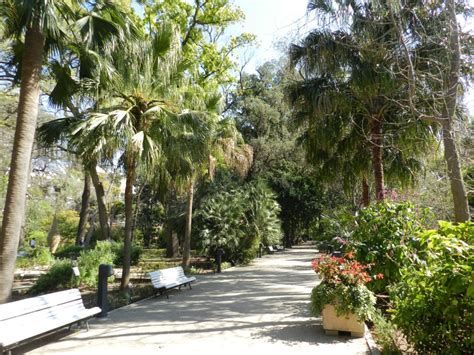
(101,28)
(347,93)
(39,23)
(144,121)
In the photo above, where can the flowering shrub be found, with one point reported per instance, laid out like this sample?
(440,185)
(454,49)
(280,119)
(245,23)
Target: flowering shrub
(384,235)
(343,286)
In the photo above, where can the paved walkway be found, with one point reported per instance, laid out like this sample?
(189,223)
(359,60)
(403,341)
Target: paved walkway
(262,308)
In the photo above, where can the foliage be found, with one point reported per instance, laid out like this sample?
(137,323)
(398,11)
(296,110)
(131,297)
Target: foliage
(40,256)
(69,252)
(300,196)
(117,249)
(434,303)
(237,219)
(381,237)
(67,224)
(333,230)
(60,276)
(385,334)
(343,286)
(40,238)
(89,261)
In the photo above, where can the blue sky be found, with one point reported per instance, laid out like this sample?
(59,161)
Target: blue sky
(281,20)
(271,21)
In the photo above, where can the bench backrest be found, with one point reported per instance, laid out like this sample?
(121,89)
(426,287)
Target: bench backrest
(270,248)
(35,304)
(167,275)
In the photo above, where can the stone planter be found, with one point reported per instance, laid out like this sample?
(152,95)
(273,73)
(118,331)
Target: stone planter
(332,323)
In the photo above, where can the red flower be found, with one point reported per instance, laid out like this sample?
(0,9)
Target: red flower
(379,276)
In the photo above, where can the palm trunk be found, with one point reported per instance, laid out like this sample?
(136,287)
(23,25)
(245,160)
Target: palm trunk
(377,158)
(458,190)
(127,247)
(365,192)
(172,247)
(101,206)
(84,214)
(21,156)
(189,220)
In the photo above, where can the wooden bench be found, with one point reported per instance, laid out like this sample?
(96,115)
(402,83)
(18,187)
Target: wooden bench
(24,320)
(166,279)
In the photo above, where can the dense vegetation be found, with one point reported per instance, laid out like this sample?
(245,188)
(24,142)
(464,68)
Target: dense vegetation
(153,147)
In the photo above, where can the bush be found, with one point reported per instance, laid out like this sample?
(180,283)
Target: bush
(434,303)
(60,276)
(89,261)
(40,256)
(117,249)
(383,233)
(69,252)
(67,224)
(237,219)
(40,238)
(385,334)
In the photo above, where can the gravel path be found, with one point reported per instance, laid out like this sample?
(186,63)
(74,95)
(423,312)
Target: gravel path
(261,308)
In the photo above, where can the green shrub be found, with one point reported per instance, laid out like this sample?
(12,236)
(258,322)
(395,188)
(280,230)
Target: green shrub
(67,224)
(385,334)
(117,249)
(70,251)
(39,256)
(434,303)
(237,219)
(59,277)
(40,238)
(381,237)
(89,261)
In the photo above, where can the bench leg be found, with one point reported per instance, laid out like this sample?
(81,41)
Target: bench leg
(190,287)
(87,325)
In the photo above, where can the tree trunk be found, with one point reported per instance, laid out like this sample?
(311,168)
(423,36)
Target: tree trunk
(461,206)
(84,214)
(377,158)
(365,192)
(172,244)
(189,221)
(458,190)
(90,232)
(54,237)
(21,156)
(101,205)
(127,245)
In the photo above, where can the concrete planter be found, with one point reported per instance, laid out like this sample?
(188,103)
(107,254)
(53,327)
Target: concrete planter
(332,323)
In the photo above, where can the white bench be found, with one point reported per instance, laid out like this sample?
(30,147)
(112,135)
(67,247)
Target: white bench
(166,279)
(23,320)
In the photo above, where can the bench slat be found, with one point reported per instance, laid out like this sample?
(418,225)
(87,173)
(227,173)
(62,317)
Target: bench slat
(30,328)
(170,278)
(25,319)
(17,308)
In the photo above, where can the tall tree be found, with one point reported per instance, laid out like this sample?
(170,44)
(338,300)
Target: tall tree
(145,120)
(36,21)
(349,95)
(436,57)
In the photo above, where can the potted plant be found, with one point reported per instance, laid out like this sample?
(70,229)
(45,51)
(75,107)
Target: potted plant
(342,296)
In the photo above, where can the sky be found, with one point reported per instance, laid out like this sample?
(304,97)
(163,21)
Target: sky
(274,21)
(271,21)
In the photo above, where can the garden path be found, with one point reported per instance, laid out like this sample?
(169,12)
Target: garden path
(261,308)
